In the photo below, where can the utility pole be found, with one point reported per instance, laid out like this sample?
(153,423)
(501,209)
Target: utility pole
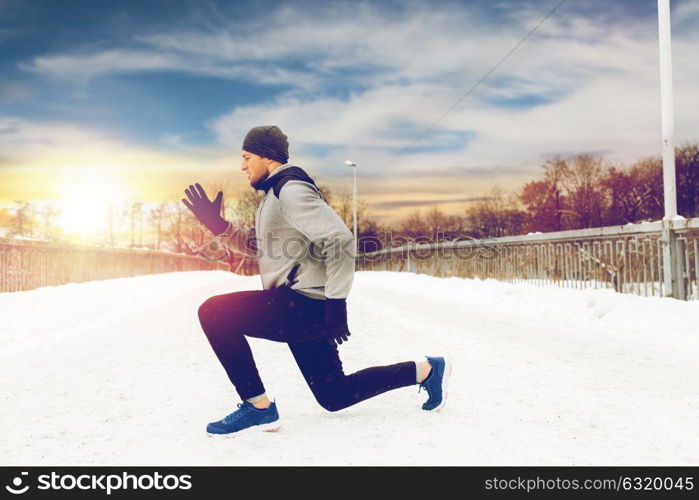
(671,266)
(354,200)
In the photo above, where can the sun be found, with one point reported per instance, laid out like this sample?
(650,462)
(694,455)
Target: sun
(85,203)
(84,216)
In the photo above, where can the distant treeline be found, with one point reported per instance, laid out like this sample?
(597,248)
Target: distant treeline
(574,192)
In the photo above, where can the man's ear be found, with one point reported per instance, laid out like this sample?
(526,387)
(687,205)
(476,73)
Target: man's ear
(269,163)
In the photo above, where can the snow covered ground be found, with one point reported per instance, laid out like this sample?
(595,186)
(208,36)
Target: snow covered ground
(119,372)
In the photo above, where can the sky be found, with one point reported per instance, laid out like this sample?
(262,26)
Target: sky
(141,98)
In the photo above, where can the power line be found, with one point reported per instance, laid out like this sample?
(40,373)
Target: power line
(474,87)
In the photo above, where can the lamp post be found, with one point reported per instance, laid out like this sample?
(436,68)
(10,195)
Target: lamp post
(671,265)
(354,199)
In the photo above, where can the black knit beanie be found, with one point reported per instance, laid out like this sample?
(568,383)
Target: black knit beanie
(267,141)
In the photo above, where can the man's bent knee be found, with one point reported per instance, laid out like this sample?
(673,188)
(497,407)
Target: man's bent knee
(331,405)
(335,399)
(209,313)
(205,310)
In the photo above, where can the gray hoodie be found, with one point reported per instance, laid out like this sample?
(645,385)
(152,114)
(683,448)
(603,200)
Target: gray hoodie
(299,227)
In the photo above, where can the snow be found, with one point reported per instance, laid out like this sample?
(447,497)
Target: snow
(119,372)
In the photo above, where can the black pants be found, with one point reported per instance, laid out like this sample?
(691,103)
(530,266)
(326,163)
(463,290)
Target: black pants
(284,315)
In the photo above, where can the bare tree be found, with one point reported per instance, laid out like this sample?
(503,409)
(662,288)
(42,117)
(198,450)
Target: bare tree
(582,179)
(48,215)
(327,193)
(22,221)
(242,209)
(157,218)
(110,225)
(436,221)
(687,161)
(6,221)
(414,226)
(175,227)
(135,211)
(495,216)
(545,199)
(342,204)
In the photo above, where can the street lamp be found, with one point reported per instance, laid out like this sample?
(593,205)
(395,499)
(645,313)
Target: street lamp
(671,266)
(354,199)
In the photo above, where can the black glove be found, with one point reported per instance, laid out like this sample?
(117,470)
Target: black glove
(208,212)
(336,328)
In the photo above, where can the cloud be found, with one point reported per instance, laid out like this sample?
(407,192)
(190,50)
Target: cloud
(598,88)
(363,80)
(422,203)
(685,14)
(14,91)
(353,42)
(55,144)
(82,68)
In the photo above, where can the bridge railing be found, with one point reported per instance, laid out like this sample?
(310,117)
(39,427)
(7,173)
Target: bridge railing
(25,265)
(628,259)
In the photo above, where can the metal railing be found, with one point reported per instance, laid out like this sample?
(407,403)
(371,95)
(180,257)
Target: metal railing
(25,265)
(628,259)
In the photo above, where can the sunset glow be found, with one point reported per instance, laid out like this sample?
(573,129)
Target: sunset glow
(85,203)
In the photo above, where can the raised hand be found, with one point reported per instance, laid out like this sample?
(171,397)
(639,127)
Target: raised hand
(206,211)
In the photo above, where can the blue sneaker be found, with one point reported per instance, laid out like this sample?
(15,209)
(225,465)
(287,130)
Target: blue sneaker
(247,416)
(436,383)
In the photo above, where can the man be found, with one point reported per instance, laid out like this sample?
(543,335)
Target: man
(306,257)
